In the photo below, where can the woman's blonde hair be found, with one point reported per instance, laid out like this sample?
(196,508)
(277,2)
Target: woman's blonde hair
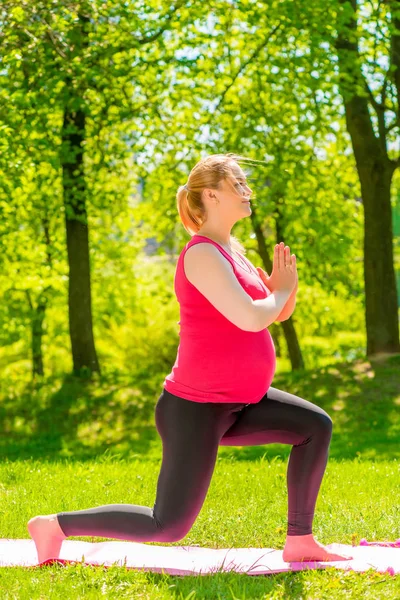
(207,173)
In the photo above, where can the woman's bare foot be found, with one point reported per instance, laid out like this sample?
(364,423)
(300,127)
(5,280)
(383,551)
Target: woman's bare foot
(47,535)
(304,547)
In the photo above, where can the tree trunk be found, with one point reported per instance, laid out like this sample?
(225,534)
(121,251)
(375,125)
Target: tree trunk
(37,319)
(79,291)
(37,335)
(293,346)
(381,318)
(375,171)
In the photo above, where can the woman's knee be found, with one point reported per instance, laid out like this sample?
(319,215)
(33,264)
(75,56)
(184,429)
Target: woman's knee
(323,423)
(172,533)
(172,530)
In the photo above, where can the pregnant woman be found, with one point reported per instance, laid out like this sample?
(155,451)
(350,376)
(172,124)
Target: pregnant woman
(219,390)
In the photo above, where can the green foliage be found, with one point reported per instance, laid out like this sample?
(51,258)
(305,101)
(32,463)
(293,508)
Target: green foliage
(160,86)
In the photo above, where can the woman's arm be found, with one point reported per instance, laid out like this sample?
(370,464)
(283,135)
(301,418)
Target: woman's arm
(289,307)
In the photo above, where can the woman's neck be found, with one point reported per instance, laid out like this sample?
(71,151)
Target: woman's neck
(211,236)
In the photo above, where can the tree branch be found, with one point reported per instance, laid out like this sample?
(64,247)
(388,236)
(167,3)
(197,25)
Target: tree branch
(244,65)
(240,70)
(156,35)
(395,51)
(380,113)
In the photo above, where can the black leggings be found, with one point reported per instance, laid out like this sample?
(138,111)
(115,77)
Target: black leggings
(191,433)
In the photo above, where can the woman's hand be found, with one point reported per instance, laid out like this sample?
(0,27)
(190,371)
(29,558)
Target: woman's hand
(270,281)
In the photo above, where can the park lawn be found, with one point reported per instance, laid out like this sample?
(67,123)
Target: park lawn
(246,504)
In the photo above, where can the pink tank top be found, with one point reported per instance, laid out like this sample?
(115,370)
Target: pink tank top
(216,360)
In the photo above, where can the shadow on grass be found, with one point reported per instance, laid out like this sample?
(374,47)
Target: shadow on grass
(79,419)
(75,418)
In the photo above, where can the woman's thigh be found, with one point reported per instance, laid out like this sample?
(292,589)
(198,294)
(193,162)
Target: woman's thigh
(190,433)
(279,417)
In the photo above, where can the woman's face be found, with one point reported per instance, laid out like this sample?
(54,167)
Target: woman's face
(230,202)
(235,191)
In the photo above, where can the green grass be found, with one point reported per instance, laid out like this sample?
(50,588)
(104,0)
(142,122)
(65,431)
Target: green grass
(68,445)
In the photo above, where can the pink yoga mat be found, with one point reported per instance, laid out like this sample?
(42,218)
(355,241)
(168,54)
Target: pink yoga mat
(192,560)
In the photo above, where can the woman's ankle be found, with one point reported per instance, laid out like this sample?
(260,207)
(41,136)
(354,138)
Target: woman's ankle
(57,526)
